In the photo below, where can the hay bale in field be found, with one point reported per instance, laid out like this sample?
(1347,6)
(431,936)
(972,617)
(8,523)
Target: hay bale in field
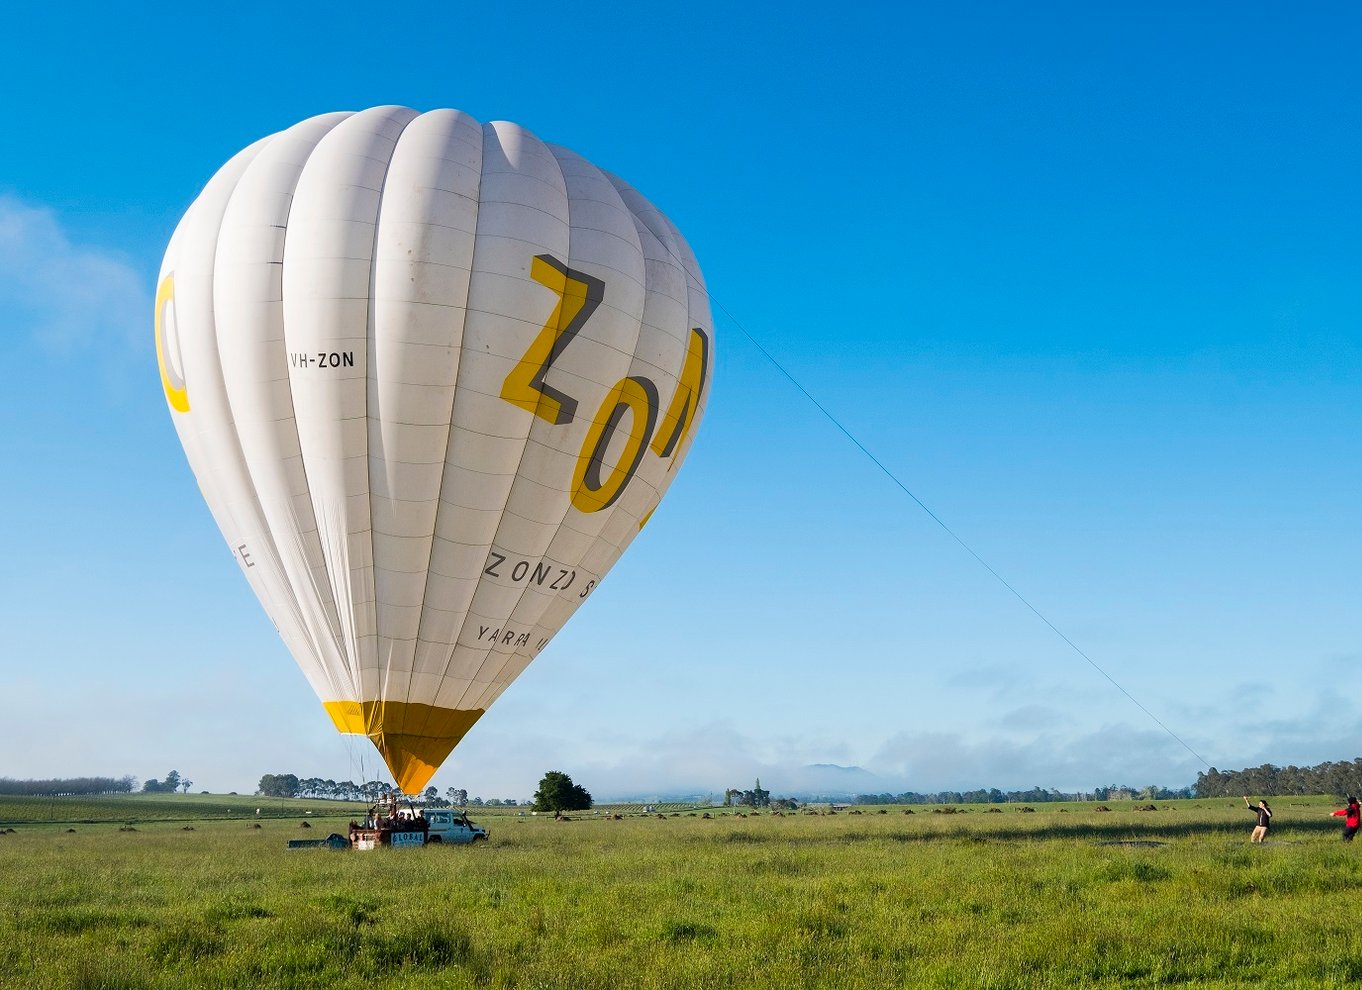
(1101,807)
(707,816)
(1027,810)
(304,825)
(1147,807)
(995,811)
(126,828)
(882,811)
(255,825)
(908,811)
(70,830)
(187,828)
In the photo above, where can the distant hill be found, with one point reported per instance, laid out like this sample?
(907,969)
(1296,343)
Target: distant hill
(828,781)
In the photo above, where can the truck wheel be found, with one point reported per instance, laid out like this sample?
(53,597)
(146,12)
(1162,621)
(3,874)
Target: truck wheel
(434,840)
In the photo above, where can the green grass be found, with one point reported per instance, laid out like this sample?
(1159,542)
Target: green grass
(1065,897)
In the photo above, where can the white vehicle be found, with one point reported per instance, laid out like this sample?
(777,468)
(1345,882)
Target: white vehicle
(451,826)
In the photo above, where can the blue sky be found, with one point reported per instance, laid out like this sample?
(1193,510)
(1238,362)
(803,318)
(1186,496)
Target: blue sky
(1088,281)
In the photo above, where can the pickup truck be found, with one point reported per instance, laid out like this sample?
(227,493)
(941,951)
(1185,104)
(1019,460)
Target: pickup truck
(451,826)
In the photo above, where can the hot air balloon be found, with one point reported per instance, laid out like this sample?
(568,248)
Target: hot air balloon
(432,377)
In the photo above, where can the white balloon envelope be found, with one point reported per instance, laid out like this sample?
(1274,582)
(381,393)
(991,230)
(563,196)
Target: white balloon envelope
(432,377)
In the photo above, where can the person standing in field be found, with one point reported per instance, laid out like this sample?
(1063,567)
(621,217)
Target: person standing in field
(1352,816)
(1264,814)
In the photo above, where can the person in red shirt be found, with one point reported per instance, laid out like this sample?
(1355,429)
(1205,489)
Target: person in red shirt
(1352,816)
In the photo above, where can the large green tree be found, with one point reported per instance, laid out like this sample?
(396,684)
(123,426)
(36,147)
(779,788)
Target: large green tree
(557,792)
(279,785)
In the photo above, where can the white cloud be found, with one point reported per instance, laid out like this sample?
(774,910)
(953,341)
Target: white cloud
(1327,730)
(70,295)
(1113,754)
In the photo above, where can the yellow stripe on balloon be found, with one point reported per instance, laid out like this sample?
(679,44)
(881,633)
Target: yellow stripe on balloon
(177,395)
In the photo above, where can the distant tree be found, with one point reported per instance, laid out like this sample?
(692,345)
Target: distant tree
(493,802)
(557,792)
(185,784)
(457,795)
(757,797)
(475,802)
(760,798)
(283,785)
(152,786)
(172,782)
(432,795)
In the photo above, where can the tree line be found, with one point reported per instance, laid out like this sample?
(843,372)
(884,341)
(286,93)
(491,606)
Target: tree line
(1339,778)
(556,792)
(290,785)
(68,785)
(1036,795)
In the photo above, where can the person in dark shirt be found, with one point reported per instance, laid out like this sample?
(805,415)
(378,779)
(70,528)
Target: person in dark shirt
(1352,817)
(1264,814)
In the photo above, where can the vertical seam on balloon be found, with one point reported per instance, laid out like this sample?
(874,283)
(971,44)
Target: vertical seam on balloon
(497,531)
(611,551)
(301,548)
(343,651)
(271,545)
(371,398)
(509,658)
(449,437)
(231,433)
(671,243)
(466,269)
(524,450)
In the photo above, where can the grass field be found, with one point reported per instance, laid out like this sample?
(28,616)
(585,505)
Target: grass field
(1067,896)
